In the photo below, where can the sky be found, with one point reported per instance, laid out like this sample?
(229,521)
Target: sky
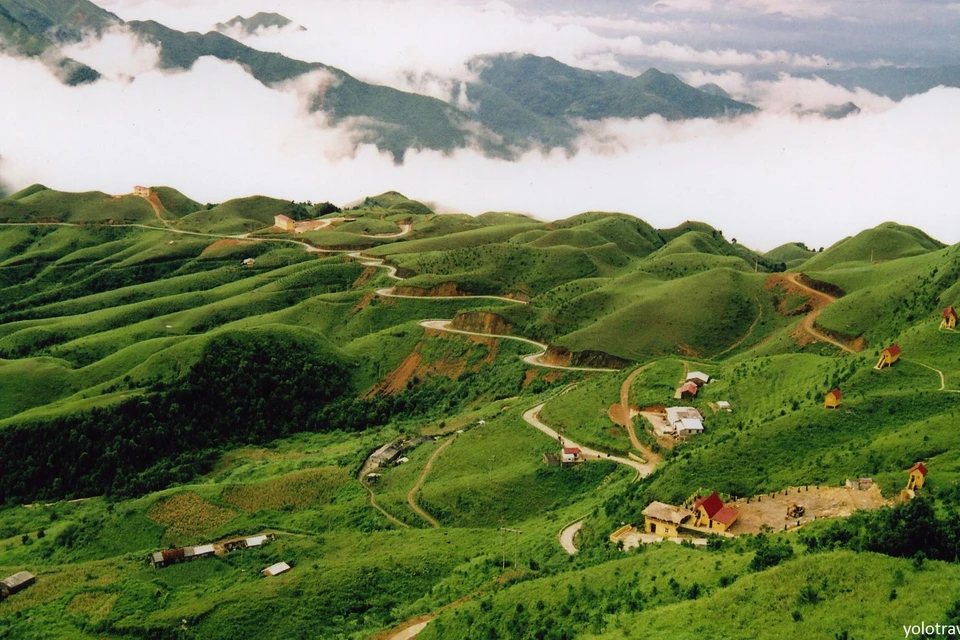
(784,174)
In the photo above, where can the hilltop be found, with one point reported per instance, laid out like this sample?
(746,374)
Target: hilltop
(379,390)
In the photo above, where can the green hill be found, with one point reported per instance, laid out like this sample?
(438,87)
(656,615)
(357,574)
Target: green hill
(259,20)
(792,254)
(204,378)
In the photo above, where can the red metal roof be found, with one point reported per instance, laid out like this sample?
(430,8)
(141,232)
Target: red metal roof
(919,467)
(572,451)
(893,350)
(711,504)
(949,311)
(690,387)
(726,515)
(836,393)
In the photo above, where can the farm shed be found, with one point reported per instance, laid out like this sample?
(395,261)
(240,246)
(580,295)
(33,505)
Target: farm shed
(284,222)
(832,401)
(949,320)
(16,583)
(162,559)
(571,454)
(699,378)
(255,541)
(723,405)
(200,551)
(688,390)
(684,421)
(888,356)
(664,519)
(387,453)
(276,569)
(918,473)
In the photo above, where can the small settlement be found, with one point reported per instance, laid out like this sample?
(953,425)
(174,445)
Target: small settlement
(160,559)
(15,584)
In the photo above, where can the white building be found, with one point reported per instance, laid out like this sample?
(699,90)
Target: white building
(277,569)
(698,377)
(684,421)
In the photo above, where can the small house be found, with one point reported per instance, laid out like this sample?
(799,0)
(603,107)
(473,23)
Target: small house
(949,320)
(199,551)
(248,262)
(684,421)
(918,474)
(688,390)
(723,405)
(664,519)
(571,455)
(276,569)
(16,583)
(386,454)
(710,512)
(699,378)
(284,223)
(833,399)
(165,558)
(889,355)
(143,192)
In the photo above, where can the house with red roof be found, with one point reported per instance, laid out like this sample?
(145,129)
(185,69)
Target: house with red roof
(833,399)
(918,474)
(688,390)
(710,512)
(571,455)
(949,320)
(888,356)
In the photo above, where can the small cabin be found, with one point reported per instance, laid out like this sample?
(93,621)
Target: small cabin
(832,400)
(688,390)
(949,320)
(143,192)
(723,405)
(284,223)
(16,583)
(888,356)
(710,512)
(918,474)
(248,262)
(276,569)
(699,378)
(571,455)
(664,519)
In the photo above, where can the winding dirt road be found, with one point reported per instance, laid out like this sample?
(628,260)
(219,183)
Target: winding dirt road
(809,322)
(623,414)
(532,417)
(412,496)
(943,381)
(534,359)
(567,536)
(373,503)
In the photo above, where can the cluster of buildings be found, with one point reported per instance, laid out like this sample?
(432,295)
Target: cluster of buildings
(160,559)
(708,513)
(15,584)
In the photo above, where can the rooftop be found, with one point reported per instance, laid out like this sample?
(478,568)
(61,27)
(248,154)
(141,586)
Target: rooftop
(666,512)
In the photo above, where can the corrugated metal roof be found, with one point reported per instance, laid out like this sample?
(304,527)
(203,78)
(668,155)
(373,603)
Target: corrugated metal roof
(256,541)
(18,579)
(277,569)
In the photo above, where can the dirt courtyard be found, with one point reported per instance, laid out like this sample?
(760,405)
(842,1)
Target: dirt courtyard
(819,502)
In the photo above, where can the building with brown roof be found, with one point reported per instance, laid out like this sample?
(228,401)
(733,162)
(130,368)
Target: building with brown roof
(664,519)
(949,320)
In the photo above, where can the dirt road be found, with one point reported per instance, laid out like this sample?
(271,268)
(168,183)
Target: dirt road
(532,417)
(943,381)
(623,414)
(373,503)
(821,300)
(412,496)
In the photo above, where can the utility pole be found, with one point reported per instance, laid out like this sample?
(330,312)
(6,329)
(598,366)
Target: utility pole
(516,552)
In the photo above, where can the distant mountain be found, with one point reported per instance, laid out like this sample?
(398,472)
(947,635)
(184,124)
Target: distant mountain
(260,20)
(33,28)
(518,102)
(540,98)
(713,90)
(895,83)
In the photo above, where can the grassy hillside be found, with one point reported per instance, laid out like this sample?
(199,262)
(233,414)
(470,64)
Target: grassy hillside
(182,394)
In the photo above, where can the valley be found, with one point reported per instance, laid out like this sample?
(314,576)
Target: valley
(442,419)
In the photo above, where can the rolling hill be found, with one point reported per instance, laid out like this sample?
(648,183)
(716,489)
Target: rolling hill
(191,375)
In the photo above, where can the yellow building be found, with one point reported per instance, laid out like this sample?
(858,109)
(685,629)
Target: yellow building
(710,512)
(663,519)
(285,223)
(888,357)
(833,399)
(949,318)
(918,474)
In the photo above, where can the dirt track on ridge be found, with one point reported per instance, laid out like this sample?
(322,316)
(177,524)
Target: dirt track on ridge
(821,300)
(412,496)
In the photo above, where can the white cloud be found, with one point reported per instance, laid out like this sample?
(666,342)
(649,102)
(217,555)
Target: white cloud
(215,133)
(116,54)
(792,8)
(788,93)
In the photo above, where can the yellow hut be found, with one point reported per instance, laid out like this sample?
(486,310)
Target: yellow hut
(889,355)
(949,319)
(918,474)
(832,400)
(663,519)
(285,223)
(710,512)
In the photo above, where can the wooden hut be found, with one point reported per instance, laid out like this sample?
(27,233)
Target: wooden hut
(949,320)
(832,400)
(918,473)
(888,356)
